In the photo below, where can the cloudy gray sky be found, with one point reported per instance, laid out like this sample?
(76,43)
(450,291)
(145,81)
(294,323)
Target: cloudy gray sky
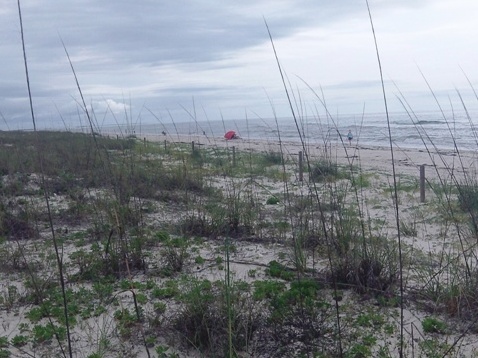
(169,58)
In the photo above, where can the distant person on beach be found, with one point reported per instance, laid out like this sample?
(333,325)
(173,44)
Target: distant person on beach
(350,136)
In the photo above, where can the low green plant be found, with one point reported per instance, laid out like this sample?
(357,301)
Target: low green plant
(149,341)
(252,273)
(267,289)
(46,333)
(433,325)
(162,352)
(370,319)
(19,340)
(432,348)
(388,300)
(126,284)
(103,290)
(199,260)
(363,349)
(159,307)
(126,321)
(36,314)
(278,270)
(162,236)
(169,289)
(156,318)
(141,298)
(273,200)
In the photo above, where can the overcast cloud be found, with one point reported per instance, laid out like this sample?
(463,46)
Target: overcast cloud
(166,57)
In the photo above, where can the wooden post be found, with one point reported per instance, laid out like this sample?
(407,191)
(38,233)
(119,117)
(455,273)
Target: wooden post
(422,183)
(301,169)
(144,140)
(192,146)
(233,156)
(165,147)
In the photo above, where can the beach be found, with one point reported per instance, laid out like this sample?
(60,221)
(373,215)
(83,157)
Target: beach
(407,161)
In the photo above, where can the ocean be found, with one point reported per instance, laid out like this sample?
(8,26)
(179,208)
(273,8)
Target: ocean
(432,129)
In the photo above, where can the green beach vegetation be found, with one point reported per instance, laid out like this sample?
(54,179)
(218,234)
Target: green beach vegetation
(171,252)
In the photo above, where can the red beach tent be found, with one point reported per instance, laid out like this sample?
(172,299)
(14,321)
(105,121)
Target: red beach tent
(230,135)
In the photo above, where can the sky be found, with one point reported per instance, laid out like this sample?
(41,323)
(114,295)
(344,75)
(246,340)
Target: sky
(151,60)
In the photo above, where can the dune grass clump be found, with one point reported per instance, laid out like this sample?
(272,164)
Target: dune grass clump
(327,170)
(272,158)
(369,267)
(468,203)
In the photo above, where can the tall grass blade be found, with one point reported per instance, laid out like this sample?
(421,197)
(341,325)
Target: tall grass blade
(395,187)
(46,193)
